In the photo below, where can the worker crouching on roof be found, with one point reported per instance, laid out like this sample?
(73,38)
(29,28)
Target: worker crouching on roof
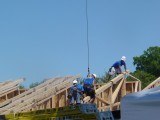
(116,67)
(75,93)
(89,87)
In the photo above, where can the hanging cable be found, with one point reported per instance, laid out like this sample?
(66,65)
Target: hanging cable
(87,37)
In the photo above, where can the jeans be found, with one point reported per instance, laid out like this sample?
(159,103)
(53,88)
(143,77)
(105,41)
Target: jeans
(76,98)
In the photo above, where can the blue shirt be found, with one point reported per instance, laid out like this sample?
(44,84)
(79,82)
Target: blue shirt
(118,64)
(89,81)
(79,87)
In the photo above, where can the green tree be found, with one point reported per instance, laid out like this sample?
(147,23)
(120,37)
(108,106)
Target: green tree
(147,65)
(21,87)
(146,78)
(149,61)
(34,85)
(104,78)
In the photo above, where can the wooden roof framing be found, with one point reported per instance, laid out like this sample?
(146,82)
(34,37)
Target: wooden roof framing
(106,86)
(49,81)
(52,90)
(40,98)
(9,90)
(38,94)
(9,86)
(110,94)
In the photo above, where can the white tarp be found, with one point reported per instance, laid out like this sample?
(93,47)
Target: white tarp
(144,105)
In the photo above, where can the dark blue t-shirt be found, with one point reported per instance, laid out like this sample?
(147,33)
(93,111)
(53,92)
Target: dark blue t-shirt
(119,64)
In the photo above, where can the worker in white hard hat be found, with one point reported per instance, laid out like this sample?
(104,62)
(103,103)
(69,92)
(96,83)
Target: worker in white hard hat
(75,82)
(75,93)
(94,75)
(116,67)
(89,87)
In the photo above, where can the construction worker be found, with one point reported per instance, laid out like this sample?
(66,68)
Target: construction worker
(116,67)
(89,87)
(75,93)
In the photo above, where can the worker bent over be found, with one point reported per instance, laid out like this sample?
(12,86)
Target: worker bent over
(89,87)
(116,67)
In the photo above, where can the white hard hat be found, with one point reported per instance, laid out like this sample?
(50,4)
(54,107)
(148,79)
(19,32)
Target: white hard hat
(75,82)
(123,58)
(94,75)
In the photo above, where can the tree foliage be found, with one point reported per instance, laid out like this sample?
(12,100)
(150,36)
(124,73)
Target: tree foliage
(104,78)
(149,61)
(146,78)
(34,85)
(148,65)
(21,87)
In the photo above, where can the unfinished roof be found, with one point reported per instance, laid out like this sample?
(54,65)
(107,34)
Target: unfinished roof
(9,87)
(37,95)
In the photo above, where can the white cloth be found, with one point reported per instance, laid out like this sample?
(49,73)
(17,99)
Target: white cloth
(112,72)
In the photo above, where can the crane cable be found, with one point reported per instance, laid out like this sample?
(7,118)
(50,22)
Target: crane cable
(87,37)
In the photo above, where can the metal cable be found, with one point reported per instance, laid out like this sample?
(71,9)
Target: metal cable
(87,37)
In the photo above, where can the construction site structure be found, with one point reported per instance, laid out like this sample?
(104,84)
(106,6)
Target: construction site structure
(10,89)
(51,96)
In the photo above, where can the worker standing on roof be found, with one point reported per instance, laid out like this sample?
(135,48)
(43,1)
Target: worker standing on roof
(75,93)
(89,87)
(116,67)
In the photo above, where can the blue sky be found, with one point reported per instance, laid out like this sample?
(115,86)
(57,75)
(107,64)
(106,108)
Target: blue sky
(43,39)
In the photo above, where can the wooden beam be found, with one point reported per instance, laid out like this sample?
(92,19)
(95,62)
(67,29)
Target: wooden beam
(115,93)
(153,83)
(116,104)
(133,77)
(136,86)
(102,100)
(109,84)
(123,89)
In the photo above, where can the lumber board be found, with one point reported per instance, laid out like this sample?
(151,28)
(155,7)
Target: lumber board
(136,86)
(153,83)
(102,100)
(115,93)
